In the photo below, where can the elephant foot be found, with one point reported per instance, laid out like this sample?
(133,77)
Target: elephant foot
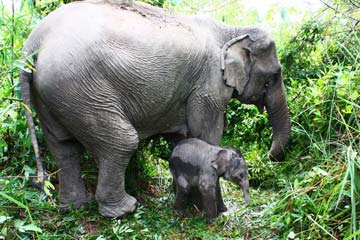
(222,209)
(126,206)
(67,205)
(178,212)
(210,221)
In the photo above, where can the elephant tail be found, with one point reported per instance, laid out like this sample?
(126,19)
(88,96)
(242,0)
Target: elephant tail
(25,80)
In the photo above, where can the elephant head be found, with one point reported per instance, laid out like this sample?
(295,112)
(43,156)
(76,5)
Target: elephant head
(231,164)
(250,66)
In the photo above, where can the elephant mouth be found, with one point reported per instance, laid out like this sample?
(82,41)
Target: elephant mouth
(258,102)
(241,97)
(235,94)
(260,106)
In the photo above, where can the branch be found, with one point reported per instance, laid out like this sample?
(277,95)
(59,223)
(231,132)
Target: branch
(11,99)
(337,11)
(354,4)
(23,177)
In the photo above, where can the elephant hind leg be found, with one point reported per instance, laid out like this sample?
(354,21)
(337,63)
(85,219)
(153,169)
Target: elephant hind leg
(182,193)
(67,153)
(115,142)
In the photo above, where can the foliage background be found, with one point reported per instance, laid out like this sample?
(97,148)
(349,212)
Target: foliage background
(314,194)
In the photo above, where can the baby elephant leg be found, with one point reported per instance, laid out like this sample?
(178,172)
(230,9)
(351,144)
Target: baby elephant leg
(207,189)
(219,200)
(182,192)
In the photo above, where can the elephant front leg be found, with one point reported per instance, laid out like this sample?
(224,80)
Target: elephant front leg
(208,195)
(205,119)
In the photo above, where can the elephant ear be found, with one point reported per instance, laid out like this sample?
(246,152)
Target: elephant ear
(221,162)
(235,63)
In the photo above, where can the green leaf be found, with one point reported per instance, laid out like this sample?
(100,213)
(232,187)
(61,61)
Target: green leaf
(4,218)
(319,171)
(19,225)
(20,204)
(47,187)
(357,233)
(100,238)
(21,65)
(296,184)
(28,171)
(32,227)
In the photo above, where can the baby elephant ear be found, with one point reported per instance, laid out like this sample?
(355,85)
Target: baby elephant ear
(234,160)
(221,162)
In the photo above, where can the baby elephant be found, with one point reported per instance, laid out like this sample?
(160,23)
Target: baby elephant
(196,167)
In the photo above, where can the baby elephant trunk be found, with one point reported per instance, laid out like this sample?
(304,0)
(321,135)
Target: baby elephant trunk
(244,184)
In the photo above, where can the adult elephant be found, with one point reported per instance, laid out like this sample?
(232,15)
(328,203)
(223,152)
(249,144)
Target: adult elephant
(108,76)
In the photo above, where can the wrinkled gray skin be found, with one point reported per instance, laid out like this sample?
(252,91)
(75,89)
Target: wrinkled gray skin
(197,166)
(109,76)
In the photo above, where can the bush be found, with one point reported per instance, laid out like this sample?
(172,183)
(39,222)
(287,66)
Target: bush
(322,75)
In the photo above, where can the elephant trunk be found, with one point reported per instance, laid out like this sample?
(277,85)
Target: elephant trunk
(244,184)
(277,109)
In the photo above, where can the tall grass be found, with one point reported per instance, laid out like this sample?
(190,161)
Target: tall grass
(320,192)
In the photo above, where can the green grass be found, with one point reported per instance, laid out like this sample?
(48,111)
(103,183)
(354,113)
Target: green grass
(154,219)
